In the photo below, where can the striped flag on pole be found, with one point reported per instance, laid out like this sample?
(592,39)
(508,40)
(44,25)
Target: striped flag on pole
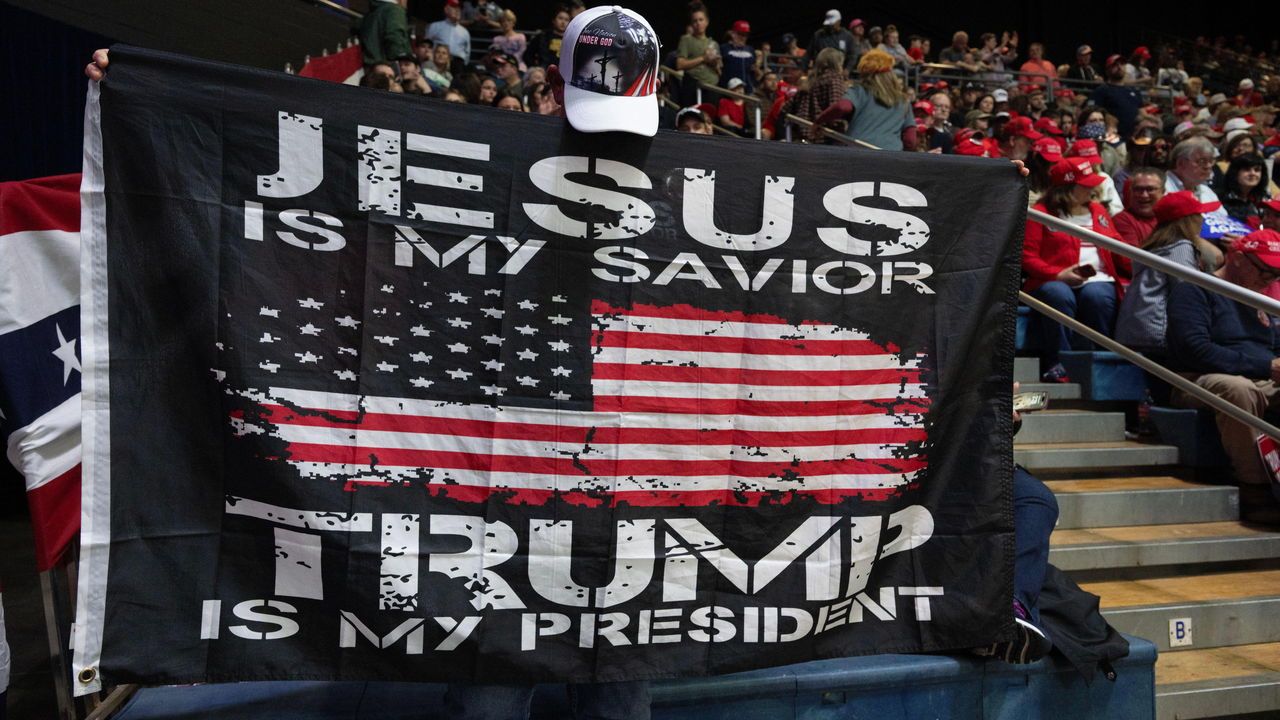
(39,352)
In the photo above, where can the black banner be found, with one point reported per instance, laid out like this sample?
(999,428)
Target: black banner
(381,387)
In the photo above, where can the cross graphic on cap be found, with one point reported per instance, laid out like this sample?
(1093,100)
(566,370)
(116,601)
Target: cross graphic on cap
(603,61)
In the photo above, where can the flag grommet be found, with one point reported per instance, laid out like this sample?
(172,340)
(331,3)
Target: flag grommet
(87,675)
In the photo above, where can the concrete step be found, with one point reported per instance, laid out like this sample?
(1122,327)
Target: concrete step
(1071,426)
(1218,681)
(1142,545)
(1112,502)
(1197,611)
(1057,391)
(1026,369)
(1084,456)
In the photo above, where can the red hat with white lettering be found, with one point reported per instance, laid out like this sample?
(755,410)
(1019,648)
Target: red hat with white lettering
(1074,171)
(1086,149)
(969,142)
(609,60)
(1047,126)
(1262,244)
(1049,149)
(1180,204)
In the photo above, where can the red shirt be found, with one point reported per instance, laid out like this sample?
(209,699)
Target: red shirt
(1045,252)
(1133,230)
(732,111)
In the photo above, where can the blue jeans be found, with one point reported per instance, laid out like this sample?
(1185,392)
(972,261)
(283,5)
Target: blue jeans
(587,701)
(1035,512)
(1093,304)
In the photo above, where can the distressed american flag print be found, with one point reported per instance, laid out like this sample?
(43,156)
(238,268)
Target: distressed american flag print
(525,399)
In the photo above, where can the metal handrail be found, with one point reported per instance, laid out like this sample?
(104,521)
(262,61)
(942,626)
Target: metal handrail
(829,133)
(1152,367)
(1205,280)
(339,8)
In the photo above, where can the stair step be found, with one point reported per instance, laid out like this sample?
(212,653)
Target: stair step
(1057,391)
(1083,456)
(1230,608)
(1026,369)
(1142,545)
(1071,426)
(1112,502)
(1218,681)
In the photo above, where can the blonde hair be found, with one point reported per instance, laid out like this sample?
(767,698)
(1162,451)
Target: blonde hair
(828,60)
(509,17)
(875,74)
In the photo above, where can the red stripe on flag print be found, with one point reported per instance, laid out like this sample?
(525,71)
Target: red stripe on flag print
(690,407)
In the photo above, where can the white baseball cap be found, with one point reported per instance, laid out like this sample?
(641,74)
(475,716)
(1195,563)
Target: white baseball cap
(609,60)
(832,18)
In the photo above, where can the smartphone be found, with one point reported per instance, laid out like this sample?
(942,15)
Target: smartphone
(1087,270)
(1030,401)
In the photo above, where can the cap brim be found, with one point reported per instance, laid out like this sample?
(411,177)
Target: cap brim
(1208,207)
(591,112)
(1032,135)
(1091,181)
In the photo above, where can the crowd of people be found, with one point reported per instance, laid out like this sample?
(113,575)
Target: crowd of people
(1137,148)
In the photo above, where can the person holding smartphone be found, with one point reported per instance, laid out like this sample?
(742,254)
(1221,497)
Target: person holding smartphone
(1072,276)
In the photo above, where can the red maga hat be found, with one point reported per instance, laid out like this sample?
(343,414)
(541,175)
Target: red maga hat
(1086,149)
(923,106)
(1047,126)
(741,26)
(1262,244)
(1049,149)
(1074,171)
(1272,205)
(969,142)
(1177,205)
(1022,126)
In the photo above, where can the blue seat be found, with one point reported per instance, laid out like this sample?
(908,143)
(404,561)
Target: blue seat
(1194,432)
(884,687)
(1104,375)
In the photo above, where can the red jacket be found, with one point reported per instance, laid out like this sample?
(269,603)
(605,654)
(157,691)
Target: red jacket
(1045,252)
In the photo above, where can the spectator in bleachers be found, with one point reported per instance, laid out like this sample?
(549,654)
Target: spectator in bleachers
(824,87)
(832,35)
(693,120)
(739,58)
(970,91)
(1143,318)
(508,101)
(1191,166)
(1074,277)
(1038,70)
(902,60)
(1141,193)
(1117,98)
(877,106)
(1271,214)
(938,130)
(384,33)
(1045,153)
(1136,71)
(1244,188)
(955,53)
(731,112)
(858,29)
(487,92)
(437,73)
(1247,95)
(545,50)
(697,55)
(451,33)
(1106,192)
(411,80)
(1067,123)
(508,75)
(381,76)
(1237,142)
(1038,106)
(452,95)
(509,41)
(1017,137)
(541,100)
(1083,68)
(482,16)
(1230,349)
(995,57)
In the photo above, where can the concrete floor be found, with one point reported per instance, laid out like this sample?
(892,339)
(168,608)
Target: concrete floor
(31,693)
